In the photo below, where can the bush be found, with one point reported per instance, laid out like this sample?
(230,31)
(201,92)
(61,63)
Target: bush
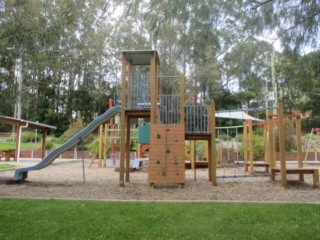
(258,148)
(308,124)
(94,146)
(314,136)
(289,138)
(29,137)
(70,133)
(258,132)
(224,137)
(49,144)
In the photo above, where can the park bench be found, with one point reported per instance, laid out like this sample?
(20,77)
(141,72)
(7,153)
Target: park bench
(300,171)
(257,164)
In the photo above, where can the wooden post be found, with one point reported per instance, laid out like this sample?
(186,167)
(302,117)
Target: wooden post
(272,150)
(17,141)
(122,120)
(299,144)
(153,90)
(251,148)
(128,151)
(245,143)
(212,161)
(182,98)
(206,150)
(192,158)
(282,145)
(157,82)
(100,145)
(44,139)
(266,143)
(104,155)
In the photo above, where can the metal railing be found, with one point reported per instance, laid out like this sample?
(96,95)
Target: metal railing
(138,91)
(168,109)
(197,119)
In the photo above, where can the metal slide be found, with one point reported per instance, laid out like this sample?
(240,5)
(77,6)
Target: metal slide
(22,173)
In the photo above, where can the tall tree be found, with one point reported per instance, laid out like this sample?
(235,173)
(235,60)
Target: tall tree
(60,46)
(248,66)
(192,35)
(295,22)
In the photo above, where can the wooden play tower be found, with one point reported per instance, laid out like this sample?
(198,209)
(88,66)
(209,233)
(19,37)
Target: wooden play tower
(171,120)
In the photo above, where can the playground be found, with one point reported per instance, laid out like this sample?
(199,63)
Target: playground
(64,180)
(175,127)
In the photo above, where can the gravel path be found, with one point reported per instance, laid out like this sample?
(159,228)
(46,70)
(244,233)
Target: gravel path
(65,180)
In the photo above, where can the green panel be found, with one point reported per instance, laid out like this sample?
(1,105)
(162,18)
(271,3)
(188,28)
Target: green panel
(144,133)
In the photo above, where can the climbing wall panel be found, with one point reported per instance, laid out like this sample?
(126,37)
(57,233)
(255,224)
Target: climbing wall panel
(166,156)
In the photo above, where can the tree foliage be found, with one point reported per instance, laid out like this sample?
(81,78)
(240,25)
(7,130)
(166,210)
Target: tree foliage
(295,22)
(67,53)
(61,47)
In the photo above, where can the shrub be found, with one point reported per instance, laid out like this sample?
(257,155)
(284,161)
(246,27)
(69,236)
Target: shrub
(224,137)
(240,137)
(49,144)
(70,133)
(94,146)
(258,148)
(258,132)
(289,139)
(29,137)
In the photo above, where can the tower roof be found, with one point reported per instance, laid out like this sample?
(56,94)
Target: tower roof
(140,57)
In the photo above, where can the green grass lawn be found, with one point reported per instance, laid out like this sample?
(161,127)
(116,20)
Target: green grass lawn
(6,165)
(59,219)
(12,145)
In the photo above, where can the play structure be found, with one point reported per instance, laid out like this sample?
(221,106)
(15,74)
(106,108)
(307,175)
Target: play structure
(157,102)
(283,169)
(145,95)
(250,147)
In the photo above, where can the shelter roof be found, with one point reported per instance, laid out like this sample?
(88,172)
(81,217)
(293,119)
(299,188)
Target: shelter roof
(140,57)
(241,115)
(20,122)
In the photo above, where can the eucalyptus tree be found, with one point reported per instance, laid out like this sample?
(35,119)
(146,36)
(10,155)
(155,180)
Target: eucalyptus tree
(298,79)
(193,35)
(295,22)
(248,66)
(312,89)
(60,46)
(18,26)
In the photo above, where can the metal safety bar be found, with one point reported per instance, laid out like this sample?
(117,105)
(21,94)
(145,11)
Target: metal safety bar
(138,91)
(197,119)
(168,109)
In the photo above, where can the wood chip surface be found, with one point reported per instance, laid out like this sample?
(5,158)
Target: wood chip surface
(65,180)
